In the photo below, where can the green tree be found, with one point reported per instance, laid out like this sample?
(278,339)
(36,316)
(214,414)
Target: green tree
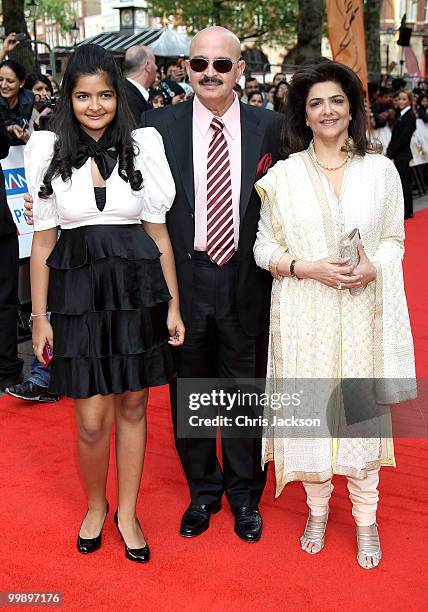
(309,33)
(58,11)
(269,21)
(14,21)
(372,10)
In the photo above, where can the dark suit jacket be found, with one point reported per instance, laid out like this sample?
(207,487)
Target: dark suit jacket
(136,101)
(260,131)
(7,226)
(399,146)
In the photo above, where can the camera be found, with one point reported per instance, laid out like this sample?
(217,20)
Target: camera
(49,102)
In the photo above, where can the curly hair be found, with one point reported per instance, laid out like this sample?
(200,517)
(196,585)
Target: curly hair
(91,60)
(296,135)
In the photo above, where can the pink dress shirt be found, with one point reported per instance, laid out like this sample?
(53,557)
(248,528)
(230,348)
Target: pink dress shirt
(202,134)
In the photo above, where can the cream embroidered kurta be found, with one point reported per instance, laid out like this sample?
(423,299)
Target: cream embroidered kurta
(320,333)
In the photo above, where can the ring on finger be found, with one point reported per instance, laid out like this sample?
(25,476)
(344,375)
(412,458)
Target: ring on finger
(339,286)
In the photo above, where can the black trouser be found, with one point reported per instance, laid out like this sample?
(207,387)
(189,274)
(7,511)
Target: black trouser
(10,364)
(216,346)
(404,171)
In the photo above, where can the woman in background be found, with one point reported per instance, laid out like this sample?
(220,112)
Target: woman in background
(255,98)
(16,103)
(280,96)
(42,89)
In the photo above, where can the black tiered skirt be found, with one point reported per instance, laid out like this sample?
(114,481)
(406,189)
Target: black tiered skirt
(109,302)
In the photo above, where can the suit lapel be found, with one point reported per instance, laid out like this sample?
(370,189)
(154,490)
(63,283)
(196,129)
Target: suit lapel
(181,137)
(251,142)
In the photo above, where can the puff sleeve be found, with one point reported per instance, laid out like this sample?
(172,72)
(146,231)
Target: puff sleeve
(158,185)
(37,156)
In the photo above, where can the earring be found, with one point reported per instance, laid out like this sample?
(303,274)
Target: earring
(350,117)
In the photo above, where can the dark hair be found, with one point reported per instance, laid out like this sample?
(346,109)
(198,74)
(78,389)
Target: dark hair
(32,79)
(296,135)
(16,67)
(157,91)
(255,93)
(398,83)
(90,60)
(278,103)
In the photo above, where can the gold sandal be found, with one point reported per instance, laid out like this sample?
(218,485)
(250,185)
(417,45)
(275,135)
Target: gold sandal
(314,533)
(369,550)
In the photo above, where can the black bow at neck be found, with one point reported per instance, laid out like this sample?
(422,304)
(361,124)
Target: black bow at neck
(102,151)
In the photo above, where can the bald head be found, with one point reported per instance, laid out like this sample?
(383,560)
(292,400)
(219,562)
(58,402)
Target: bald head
(213,82)
(136,57)
(215,34)
(140,65)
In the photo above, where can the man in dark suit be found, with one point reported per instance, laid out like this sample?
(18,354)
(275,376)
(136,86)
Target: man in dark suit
(140,69)
(10,364)
(399,148)
(217,148)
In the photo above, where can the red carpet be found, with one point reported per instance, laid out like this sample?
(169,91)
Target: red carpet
(42,505)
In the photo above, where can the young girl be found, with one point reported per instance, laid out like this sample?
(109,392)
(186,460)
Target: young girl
(109,281)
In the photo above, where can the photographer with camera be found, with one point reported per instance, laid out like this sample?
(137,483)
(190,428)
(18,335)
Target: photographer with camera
(16,103)
(45,101)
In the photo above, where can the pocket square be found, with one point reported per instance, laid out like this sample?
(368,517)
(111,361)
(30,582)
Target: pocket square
(264,164)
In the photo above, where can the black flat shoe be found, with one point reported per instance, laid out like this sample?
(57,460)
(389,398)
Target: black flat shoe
(248,523)
(90,545)
(196,519)
(139,555)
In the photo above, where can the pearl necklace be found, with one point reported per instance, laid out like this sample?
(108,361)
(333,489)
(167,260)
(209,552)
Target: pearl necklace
(330,168)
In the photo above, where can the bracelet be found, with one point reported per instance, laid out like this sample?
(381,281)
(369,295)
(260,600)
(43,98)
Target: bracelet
(274,261)
(292,272)
(40,314)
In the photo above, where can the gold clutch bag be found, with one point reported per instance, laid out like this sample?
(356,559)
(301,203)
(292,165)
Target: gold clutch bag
(348,249)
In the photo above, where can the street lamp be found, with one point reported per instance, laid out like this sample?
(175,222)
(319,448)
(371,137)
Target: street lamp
(74,32)
(31,13)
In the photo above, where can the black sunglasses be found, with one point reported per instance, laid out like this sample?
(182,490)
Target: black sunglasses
(199,64)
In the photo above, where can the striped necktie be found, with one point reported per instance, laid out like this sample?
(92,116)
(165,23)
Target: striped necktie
(220,231)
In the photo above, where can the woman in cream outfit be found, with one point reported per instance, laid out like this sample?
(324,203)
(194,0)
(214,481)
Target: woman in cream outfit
(331,183)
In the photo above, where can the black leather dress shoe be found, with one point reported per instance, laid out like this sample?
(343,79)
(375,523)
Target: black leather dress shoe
(139,555)
(196,519)
(90,545)
(248,523)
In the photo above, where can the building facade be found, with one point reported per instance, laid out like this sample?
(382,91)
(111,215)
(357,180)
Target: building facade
(393,58)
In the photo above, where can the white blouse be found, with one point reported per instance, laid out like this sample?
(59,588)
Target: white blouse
(72,203)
